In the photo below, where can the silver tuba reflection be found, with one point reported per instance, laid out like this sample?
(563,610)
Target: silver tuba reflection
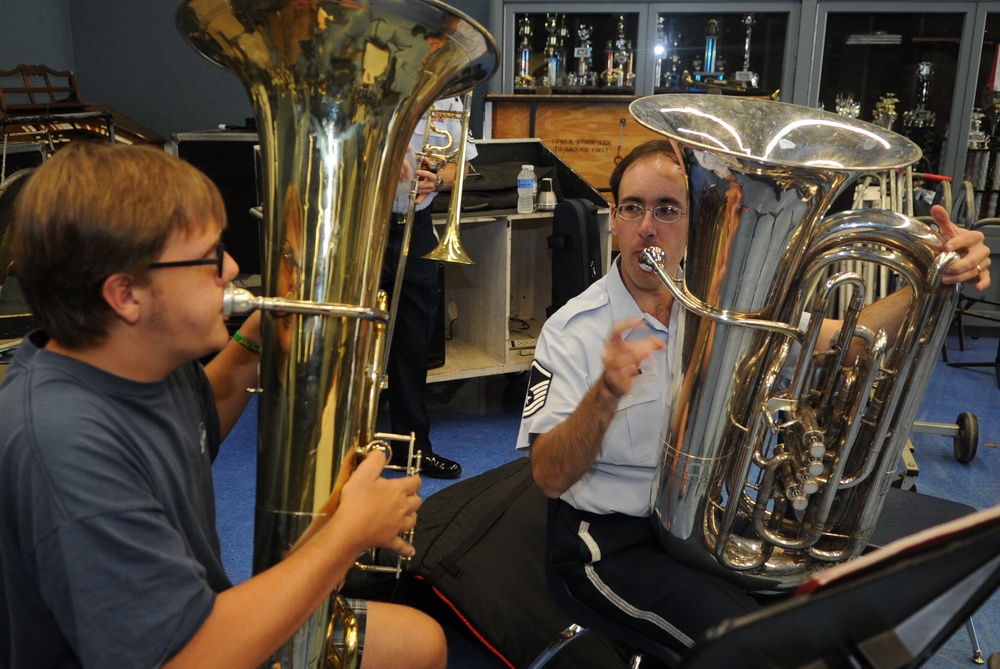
(762,478)
(337,87)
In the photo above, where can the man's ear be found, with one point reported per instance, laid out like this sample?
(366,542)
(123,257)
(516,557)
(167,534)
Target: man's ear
(119,291)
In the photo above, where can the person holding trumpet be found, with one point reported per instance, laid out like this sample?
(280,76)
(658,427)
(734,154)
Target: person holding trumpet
(419,297)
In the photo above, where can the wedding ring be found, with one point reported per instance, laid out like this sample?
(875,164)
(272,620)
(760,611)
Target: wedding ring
(979,269)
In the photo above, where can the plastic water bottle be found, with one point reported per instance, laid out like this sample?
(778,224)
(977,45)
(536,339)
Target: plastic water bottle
(526,185)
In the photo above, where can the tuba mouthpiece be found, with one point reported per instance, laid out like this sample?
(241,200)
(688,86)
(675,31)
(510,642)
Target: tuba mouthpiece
(237,301)
(651,258)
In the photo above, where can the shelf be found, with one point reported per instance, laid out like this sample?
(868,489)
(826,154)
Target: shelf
(462,360)
(499,303)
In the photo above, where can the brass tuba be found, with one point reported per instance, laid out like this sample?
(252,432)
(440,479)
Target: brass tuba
(767,476)
(337,87)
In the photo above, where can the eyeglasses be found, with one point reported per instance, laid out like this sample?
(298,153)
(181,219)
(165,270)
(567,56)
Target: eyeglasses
(220,255)
(665,213)
(288,258)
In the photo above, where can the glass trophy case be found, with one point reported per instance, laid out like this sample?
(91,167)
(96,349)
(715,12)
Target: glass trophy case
(566,52)
(982,162)
(897,70)
(639,48)
(912,65)
(732,52)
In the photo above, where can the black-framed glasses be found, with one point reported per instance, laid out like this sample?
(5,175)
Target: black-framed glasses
(220,255)
(664,213)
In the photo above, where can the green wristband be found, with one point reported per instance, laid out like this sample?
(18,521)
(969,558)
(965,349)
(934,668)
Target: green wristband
(246,343)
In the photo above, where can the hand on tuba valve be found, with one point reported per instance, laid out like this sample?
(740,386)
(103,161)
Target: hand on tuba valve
(394,530)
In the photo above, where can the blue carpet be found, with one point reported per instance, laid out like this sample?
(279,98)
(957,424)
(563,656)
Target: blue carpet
(475,422)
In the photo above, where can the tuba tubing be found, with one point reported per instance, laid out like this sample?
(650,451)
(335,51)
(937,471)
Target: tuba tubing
(775,460)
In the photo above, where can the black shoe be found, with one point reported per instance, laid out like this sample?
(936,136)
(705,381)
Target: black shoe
(435,467)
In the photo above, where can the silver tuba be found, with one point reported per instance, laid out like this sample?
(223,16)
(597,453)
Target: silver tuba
(337,87)
(776,459)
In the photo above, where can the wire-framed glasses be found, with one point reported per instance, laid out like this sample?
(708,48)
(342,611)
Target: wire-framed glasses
(664,213)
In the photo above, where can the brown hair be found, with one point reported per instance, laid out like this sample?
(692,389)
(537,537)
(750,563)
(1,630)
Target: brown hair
(655,147)
(95,209)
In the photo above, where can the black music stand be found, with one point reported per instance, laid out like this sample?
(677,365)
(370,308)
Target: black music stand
(869,612)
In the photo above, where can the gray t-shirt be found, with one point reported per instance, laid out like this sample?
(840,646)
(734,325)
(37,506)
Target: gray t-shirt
(109,555)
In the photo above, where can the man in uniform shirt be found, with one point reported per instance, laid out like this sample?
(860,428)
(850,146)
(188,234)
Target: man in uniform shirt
(596,404)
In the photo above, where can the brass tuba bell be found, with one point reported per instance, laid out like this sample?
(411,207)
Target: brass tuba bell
(337,87)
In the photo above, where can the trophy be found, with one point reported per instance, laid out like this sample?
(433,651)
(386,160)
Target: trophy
(562,34)
(885,111)
(524,78)
(977,138)
(584,53)
(662,53)
(708,68)
(551,50)
(921,116)
(745,76)
(672,77)
(846,105)
(659,52)
(620,57)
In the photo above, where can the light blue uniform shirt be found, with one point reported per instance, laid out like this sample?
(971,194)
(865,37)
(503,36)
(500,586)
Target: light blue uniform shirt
(568,362)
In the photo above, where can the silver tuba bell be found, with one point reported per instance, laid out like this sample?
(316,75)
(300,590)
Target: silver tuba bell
(337,87)
(763,478)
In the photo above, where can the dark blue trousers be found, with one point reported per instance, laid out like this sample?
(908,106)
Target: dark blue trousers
(414,325)
(616,565)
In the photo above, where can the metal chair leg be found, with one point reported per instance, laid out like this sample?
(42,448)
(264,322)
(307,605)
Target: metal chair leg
(977,653)
(566,637)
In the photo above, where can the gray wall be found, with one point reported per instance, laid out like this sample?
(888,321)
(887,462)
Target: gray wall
(34,32)
(129,55)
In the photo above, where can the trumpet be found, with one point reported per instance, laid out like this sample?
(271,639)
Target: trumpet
(449,249)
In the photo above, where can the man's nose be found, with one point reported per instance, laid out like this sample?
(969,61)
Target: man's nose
(647,224)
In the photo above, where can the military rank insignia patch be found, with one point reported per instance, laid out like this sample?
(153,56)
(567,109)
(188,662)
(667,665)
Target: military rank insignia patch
(538,389)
